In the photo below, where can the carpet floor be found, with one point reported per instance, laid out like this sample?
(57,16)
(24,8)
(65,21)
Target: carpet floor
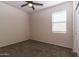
(32,48)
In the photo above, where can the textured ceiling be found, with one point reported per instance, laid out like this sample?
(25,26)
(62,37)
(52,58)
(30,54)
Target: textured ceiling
(46,4)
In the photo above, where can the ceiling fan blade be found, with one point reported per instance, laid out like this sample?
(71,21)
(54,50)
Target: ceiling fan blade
(37,4)
(29,1)
(24,5)
(33,8)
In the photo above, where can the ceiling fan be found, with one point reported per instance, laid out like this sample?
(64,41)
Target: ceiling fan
(31,4)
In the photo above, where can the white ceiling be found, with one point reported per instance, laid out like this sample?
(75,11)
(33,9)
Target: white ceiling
(46,4)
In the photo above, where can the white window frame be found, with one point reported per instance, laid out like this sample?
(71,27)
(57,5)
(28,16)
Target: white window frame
(64,21)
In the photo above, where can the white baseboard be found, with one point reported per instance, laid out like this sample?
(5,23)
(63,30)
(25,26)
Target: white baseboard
(2,44)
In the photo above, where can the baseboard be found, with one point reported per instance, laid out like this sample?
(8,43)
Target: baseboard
(51,44)
(4,45)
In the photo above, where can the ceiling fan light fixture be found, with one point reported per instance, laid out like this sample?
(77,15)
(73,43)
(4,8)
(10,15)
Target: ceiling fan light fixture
(30,4)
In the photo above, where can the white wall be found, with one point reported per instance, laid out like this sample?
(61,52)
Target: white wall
(41,26)
(14,25)
(77,19)
(76,28)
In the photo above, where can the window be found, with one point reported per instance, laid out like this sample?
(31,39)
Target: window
(59,22)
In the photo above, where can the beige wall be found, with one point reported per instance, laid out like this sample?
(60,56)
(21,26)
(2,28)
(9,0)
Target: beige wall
(41,26)
(14,25)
